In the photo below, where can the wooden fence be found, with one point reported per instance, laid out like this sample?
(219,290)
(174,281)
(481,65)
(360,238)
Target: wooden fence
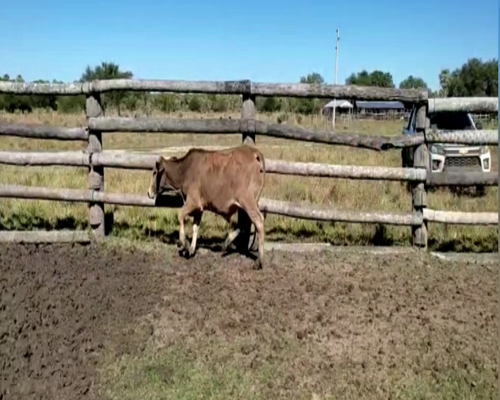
(96,159)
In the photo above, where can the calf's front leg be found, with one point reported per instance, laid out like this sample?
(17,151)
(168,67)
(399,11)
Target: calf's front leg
(196,226)
(188,209)
(182,233)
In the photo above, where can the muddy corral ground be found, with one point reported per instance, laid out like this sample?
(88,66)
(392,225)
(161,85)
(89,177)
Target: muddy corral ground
(85,322)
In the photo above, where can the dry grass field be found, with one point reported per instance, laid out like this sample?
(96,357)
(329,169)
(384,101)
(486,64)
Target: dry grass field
(161,224)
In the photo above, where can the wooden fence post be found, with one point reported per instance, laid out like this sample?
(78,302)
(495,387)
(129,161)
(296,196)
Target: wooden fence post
(96,174)
(248,112)
(419,197)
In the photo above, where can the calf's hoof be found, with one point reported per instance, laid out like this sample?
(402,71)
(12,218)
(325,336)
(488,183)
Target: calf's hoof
(258,264)
(192,251)
(184,249)
(182,252)
(183,244)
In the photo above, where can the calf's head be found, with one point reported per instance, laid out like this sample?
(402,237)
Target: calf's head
(161,180)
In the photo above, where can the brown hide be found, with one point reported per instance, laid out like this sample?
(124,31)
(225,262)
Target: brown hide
(216,178)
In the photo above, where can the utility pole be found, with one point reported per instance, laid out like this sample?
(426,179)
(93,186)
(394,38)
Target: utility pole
(336,68)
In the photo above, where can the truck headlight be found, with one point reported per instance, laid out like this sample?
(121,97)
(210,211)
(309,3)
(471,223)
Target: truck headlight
(484,149)
(437,149)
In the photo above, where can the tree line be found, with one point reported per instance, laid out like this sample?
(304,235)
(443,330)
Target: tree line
(474,78)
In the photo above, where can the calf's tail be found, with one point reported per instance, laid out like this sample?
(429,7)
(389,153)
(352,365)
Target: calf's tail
(260,158)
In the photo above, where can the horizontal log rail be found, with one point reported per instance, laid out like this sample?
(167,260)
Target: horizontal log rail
(458,178)
(266,205)
(129,160)
(467,104)
(294,210)
(40,131)
(246,87)
(232,126)
(345,171)
(461,218)
(317,213)
(471,137)
(284,131)
(47,158)
(173,125)
(87,196)
(218,87)
(62,236)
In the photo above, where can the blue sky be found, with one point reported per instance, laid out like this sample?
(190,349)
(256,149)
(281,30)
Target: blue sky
(265,41)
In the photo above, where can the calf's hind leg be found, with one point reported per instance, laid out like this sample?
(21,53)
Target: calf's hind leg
(230,239)
(252,209)
(233,234)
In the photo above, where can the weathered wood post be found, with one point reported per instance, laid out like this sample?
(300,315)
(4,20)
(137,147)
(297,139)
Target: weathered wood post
(248,113)
(420,160)
(96,174)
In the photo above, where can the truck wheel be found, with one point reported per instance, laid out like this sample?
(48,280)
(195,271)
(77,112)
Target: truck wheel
(480,191)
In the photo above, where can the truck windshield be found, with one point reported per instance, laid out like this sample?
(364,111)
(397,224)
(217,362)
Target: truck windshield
(450,120)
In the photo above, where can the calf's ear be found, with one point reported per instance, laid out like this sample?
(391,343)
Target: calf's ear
(159,164)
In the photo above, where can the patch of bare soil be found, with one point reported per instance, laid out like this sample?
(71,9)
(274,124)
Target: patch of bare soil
(61,309)
(333,324)
(340,324)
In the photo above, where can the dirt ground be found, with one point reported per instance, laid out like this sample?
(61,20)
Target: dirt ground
(353,326)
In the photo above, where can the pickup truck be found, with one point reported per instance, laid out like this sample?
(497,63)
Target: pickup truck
(447,156)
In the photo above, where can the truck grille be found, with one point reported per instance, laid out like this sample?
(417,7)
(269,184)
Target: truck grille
(463,162)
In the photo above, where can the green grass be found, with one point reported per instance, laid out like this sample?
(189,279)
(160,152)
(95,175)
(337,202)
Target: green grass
(160,224)
(175,374)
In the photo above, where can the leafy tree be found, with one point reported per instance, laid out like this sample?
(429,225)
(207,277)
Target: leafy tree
(219,104)
(313,78)
(269,105)
(382,79)
(309,106)
(474,78)
(195,104)
(375,78)
(167,102)
(444,82)
(70,104)
(413,82)
(12,103)
(108,70)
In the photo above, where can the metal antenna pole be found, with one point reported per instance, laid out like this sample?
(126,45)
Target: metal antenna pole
(336,70)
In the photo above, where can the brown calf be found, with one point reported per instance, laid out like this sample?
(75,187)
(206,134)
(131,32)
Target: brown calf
(220,181)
